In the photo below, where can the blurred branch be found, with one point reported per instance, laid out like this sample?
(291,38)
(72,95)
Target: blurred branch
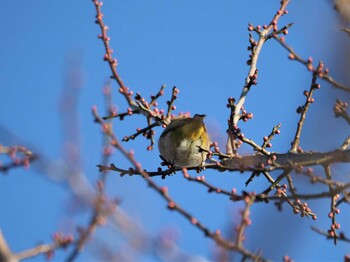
(346,30)
(340,108)
(85,234)
(245,221)
(99,205)
(5,252)
(60,241)
(19,156)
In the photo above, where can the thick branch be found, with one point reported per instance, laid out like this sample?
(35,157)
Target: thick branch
(255,162)
(286,160)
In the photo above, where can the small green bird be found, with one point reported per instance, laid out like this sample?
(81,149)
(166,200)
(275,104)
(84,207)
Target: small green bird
(180,141)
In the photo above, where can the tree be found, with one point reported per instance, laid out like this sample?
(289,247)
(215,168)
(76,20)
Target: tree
(306,183)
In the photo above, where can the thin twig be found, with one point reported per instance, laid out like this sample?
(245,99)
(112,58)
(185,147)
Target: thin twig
(252,75)
(108,55)
(333,230)
(341,237)
(308,63)
(303,110)
(253,66)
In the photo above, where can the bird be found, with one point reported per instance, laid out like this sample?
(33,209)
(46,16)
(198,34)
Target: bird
(185,142)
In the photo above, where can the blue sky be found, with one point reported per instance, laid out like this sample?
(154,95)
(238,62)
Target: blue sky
(199,46)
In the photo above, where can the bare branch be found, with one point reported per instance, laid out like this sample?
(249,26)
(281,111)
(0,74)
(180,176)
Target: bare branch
(308,63)
(303,109)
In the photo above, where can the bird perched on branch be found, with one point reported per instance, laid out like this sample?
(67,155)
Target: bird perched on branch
(182,142)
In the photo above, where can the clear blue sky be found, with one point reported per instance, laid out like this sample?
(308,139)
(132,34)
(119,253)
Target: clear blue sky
(199,46)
